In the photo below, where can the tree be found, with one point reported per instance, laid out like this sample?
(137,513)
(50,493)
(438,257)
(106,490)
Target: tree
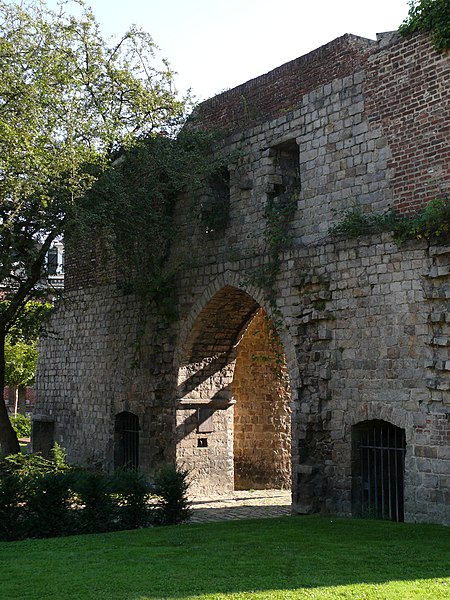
(21,344)
(20,364)
(68,103)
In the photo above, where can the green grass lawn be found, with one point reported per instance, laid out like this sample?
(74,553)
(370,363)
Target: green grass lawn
(287,558)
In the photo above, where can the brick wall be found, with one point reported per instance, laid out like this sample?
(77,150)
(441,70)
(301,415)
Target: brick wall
(277,92)
(407,90)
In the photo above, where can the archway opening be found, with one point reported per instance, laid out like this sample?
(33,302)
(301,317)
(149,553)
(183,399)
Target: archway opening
(378,466)
(233,411)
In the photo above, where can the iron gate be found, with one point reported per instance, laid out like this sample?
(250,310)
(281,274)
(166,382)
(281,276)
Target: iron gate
(380,473)
(126,441)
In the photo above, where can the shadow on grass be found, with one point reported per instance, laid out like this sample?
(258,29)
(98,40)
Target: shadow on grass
(246,557)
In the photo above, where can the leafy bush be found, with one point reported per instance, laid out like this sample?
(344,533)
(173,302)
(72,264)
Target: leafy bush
(95,507)
(429,16)
(12,500)
(43,498)
(171,487)
(21,425)
(432,223)
(32,465)
(356,222)
(132,495)
(48,506)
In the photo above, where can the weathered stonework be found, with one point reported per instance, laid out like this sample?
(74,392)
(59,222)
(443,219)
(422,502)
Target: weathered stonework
(363,323)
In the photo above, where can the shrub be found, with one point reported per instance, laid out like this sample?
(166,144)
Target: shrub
(48,506)
(32,465)
(132,495)
(432,223)
(171,487)
(94,505)
(44,498)
(12,500)
(21,425)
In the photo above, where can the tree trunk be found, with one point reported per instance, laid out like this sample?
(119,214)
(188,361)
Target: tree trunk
(8,438)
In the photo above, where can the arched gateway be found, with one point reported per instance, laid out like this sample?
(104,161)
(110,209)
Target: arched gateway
(233,413)
(363,322)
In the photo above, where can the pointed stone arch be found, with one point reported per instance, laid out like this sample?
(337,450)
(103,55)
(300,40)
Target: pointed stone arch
(206,361)
(235,280)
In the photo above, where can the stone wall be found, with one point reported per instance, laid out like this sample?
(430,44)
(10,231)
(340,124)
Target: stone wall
(262,416)
(363,323)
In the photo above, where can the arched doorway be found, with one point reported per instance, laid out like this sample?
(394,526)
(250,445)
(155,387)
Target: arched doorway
(378,466)
(126,441)
(233,416)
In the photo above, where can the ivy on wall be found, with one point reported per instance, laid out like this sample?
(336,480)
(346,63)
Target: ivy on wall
(131,210)
(429,16)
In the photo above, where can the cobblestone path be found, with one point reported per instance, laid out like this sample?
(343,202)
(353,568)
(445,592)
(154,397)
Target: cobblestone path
(256,504)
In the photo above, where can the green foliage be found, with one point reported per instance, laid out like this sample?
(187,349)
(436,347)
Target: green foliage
(132,494)
(47,510)
(20,362)
(432,223)
(42,498)
(96,512)
(429,16)
(27,466)
(171,487)
(69,101)
(144,185)
(12,498)
(34,495)
(279,212)
(30,323)
(355,222)
(21,341)
(21,425)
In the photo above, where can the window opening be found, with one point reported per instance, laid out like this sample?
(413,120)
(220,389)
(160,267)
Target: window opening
(287,164)
(52,261)
(215,206)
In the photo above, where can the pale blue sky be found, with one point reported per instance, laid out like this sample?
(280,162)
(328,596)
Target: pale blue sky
(217,44)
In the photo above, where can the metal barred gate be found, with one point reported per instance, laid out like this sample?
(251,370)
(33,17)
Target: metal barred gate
(126,435)
(378,473)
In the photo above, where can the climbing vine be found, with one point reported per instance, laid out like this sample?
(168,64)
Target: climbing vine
(131,210)
(429,16)
(278,214)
